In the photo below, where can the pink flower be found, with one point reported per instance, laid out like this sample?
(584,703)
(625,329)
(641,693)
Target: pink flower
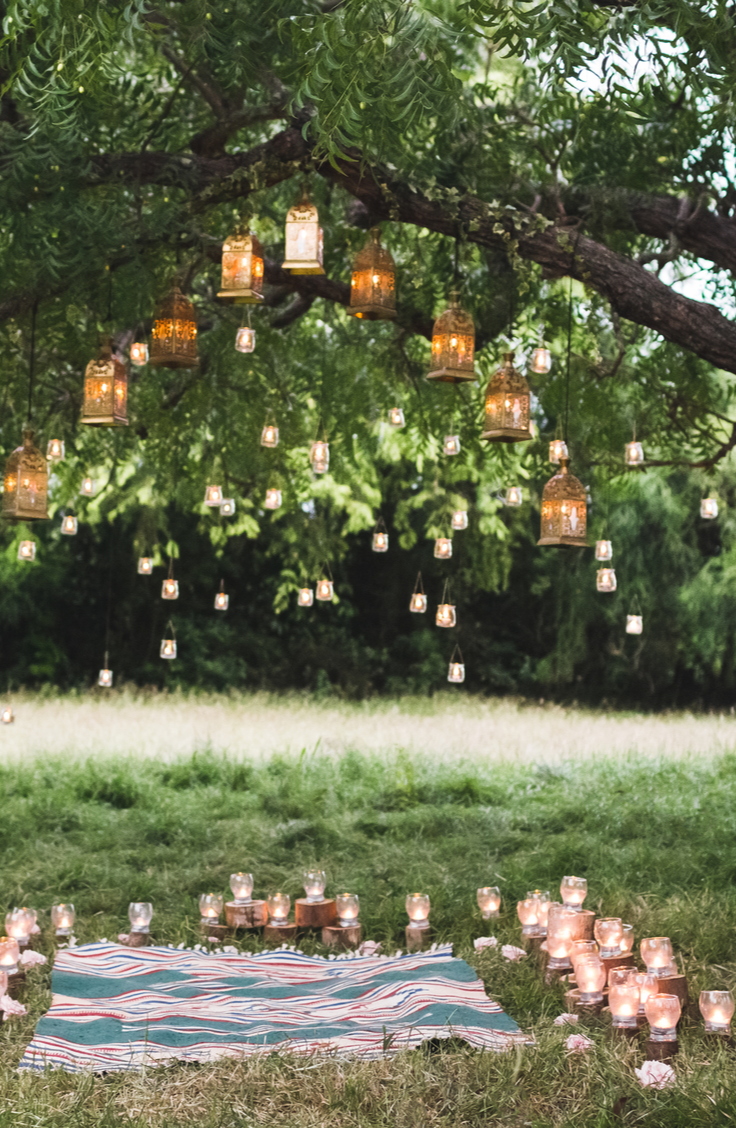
(29,958)
(35,930)
(578,1043)
(656,1075)
(485,942)
(509,952)
(566,1020)
(369,948)
(9,1006)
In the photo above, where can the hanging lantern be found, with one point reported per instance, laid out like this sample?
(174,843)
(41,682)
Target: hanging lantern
(104,678)
(456,670)
(445,616)
(174,333)
(605,579)
(145,565)
(319,456)
(418,601)
(451,444)
(564,510)
(213,496)
(7,716)
(325,590)
(227,507)
(634,624)
(87,488)
(26,482)
(105,390)
(170,586)
(273,499)
(453,345)
(242,269)
(443,548)
(396,417)
(708,507)
(270,435)
(514,496)
(380,537)
(557,451)
(55,450)
(507,405)
(460,519)
(373,284)
(222,599)
(139,353)
(603,550)
(69,525)
(27,550)
(305,597)
(168,645)
(634,455)
(304,239)
(245,339)
(541,360)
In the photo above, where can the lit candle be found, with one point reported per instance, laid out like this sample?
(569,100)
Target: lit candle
(527,912)
(627,939)
(489,901)
(580,948)
(623,997)
(314,886)
(573,891)
(210,907)
(590,973)
(242,887)
(348,907)
(139,353)
(62,918)
(227,506)
(608,932)
(562,923)
(396,417)
(278,907)
(7,716)
(270,436)
(460,519)
(306,597)
(648,985)
(55,450)
(273,499)
(88,487)
(213,496)
(145,565)
(19,924)
(543,900)
(443,548)
(656,952)
(139,914)
(663,1014)
(9,955)
(717,1009)
(417,907)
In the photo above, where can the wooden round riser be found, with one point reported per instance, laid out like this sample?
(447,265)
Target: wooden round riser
(252,915)
(315,914)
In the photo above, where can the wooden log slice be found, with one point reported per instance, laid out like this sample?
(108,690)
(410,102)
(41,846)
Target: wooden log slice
(418,938)
(213,931)
(280,933)
(337,936)
(674,985)
(660,1051)
(252,915)
(317,914)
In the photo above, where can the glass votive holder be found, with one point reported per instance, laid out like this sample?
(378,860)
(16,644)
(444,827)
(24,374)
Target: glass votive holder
(608,931)
(528,915)
(573,891)
(9,955)
(278,907)
(139,915)
(717,1009)
(561,927)
(210,907)
(314,886)
(489,901)
(663,1014)
(417,908)
(648,985)
(3,983)
(627,939)
(62,918)
(348,907)
(590,973)
(656,952)
(19,924)
(623,997)
(580,948)
(242,887)
(543,900)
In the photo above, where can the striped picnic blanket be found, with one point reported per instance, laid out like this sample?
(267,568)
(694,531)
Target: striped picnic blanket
(118,1008)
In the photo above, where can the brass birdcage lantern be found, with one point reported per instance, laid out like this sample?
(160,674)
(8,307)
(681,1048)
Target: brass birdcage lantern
(453,345)
(270,435)
(451,445)
(634,454)
(460,519)
(174,333)
(87,488)
(245,339)
(605,579)
(380,536)
(443,548)
(145,565)
(273,499)
(242,269)
(456,670)
(170,586)
(304,239)
(418,601)
(564,510)
(26,482)
(69,525)
(213,497)
(305,597)
(507,405)
(55,450)
(319,456)
(396,417)
(446,614)
(373,284)
(168,645)
(27,550)
(709,508)
(325,590)
(227,507)
(603,550)
(139,353)
(105,390)
(222,599)
(514,497)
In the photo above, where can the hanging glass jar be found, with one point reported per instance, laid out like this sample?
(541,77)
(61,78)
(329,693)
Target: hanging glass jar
(213,497)
(245,339)
(603,550)
(242,269)
(319,456)
(325,590)
(145,565)
(451,445)
(27,550)
(634,453)
(460,519)
(55,450)
(514,496)
(373,284)
(508,400)
(227,507)
(445,615)
(87,489)
(105,390)
(453,345)
(557,451)
(174,332)
(273,499)
(305,597)
(456,670)
(380,536)
(396,417)
(564,510)
(634,624)
(541,361)
(418,601)
(170,586)
(270,435)
(26,482)
(168,645)
(605,579)
(443,548)
(7,716)
(139,353)
(69,525)
(104,678)
(222,599)
(304,239)
(708,508)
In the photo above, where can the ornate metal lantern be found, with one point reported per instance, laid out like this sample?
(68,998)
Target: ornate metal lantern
(319,456)
(564,510)
(456,671)
(139,353)
(305,597)
(603,550)
(170,586)
(325,590)
(634,454)
(634,624)
(304,239)
(443,548)
(396,417)
(270,435)
(27,550)
(69,525)
(460,519)
(451,445)
(245,339)
(26,482)
(242,269)
(708,508)
(105,390)
(605,579)
(174,333)
(373,284)
(227,507)
(453,345)
(104,678)
(514,496)
(273,499)
(55,450)
(557,451)
(222,599)
(418,602)
(507,405)
(380,536)
(213,497)
(168,645)
(145,565)
(87,489)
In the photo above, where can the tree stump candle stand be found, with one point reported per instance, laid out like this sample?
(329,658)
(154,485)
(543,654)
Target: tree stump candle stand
(533,945)
(279,933)
(674,985)
(315,914)
(342,937)
(609,962)
(213,931)
(254,914)
(417,939)
(574,1004)
(660,1051)
(15,982)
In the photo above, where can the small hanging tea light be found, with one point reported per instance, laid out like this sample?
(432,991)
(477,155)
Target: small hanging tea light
(603,550)
(451,445)
(170,586)
(213,497)
(489,901)
(210,907)
(105,390)
(709,508)
(245,339)
(278,907)
(174,333)
(446,615)
(443,548)
(418,601)
(55,450)
(319,456)
(396,417)
(456,670)
(87,489)
(634,624)
(564,510)
(507,405)
(304,239)
(514,496)
(270,435)
(373,282)
(305,597)
(380,537)
(417,909)
(573,891)
(453,345)
(242,269)
(145,565)
(168,645)
(273,499)
(222,599)
(460,519)
(139,353)
(541,361)
(27,550)
(717,1008)
(227,507)
(69,525)
(26,482)
(557,450)
(605,579)
(7,716)
(325,590)
(105,676)
(241,885)
(62,918)
(634,454)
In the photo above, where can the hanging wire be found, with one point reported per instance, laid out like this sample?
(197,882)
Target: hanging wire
(567,374)
(32,360)
(109,298)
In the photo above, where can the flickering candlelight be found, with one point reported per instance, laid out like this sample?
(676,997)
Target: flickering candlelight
(88,487)
(451,445)
(627,939)
(417,908)
(634,624)
(562,923)
(445,616)
(541,361)
(139,914)
(145,565)
(168,648)
(663,1014)
(717,1009)
(605,579)
(27,550)
(270,435)
(608,931)
(242,887)
(19,924)
(580,948)
(245,339)
(314,885)
(170,589)
(222,601)
(319,456)
(590,973)
(634,455)
(603,550)
(69,526)
(396,417)
(278,907)
(489,901)
(55,450)
(348,907)
(623,997)
(543,900)
(527,911)
(573,891)
(62,918)
(648,985)
(418,602)
(443,548)
(210,907)
(380,542)
(227,507)
(104,678)
(325,590)
(7,716)
(213,496)
(460,519)
(9,955)
(557,450)
(656,952)
(139,353)
(456,672)
(273,499)
(305,597)
(514,496)
(709,508)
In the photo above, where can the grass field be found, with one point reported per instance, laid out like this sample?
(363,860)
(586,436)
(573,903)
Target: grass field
(442,795)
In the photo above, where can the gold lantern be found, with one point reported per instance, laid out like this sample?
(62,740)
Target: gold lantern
(451,445)
(325,590)
(605,579)
(145,565)
(319,456)
(456,670)
(245,339)
(270,435)
(443,548)
(242,269)
(105,390)
(69,525)
(514,496)
(304,239)
(227,507)
(55,450)
(373,284)
(174,333)
(305,597)
(27,550)
(453,345)
(396,417)
(708,508)
(213,496)
(507,405)
(139,353)
(380,536)
(168,645)
(460,519)
(222,599)
(603,550)
(564,510)
(557,451)
(26,482)
(634,454)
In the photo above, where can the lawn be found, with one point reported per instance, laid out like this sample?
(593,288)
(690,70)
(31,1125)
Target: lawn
(651,823)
